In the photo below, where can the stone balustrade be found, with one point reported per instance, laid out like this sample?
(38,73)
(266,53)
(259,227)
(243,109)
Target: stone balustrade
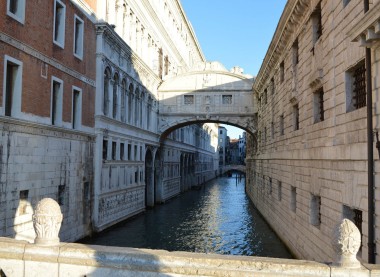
(47,258)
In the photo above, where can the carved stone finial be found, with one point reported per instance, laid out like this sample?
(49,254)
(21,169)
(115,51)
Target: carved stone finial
(346,243)
(47,221)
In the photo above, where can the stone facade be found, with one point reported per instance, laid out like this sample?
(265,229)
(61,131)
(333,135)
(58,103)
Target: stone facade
(307,167)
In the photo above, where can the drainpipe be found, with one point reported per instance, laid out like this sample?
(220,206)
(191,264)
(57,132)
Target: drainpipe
(371,200)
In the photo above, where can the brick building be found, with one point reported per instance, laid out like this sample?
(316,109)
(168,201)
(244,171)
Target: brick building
(47,56)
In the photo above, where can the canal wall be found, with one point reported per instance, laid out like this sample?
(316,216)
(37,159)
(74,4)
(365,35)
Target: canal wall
(47,254)
(20,258)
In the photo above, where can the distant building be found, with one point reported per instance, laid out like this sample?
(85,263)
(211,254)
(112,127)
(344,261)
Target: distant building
(223,140)
(242,148)
(234,155)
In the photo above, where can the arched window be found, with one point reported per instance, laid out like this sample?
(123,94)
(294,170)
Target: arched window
(123,98)
(106,83)
(137,107)
(115,98)
(130,103)
(142,101)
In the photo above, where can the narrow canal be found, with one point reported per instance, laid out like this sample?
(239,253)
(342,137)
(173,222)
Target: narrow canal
(219,218)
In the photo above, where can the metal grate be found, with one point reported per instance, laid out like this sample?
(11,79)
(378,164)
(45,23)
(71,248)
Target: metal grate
(359,86)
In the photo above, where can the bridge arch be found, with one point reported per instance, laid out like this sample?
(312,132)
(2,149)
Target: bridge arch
(207,93)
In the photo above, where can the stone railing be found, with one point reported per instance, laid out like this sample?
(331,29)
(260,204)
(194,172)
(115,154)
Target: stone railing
(48,257)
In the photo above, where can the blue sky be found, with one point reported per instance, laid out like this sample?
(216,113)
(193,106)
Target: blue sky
(234,32)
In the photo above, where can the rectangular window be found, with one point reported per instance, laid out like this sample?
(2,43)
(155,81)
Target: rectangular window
(16,10)
(122,151)
(293,199)
(279,191)
(129,151)
(282,72)
(61,194)
(265,96)
(59,23)
(135,154)
(270,185)
(296,117)
(295,51)
(272,85)
(13,86)
(281,124)
(315,210)
(114,150)
(319,112)
(141,153)
(77,108)
(136,176)
(227,99)
(356,96)
(78,37)
(56,101)
(188,99)
(316,19)
(105,149)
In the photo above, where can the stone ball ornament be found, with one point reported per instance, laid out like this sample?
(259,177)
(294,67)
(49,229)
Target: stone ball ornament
(47,219)
(346,242)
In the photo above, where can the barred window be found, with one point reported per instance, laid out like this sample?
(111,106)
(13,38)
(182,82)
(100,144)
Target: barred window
(317,23)
(356,97)
(296,117)
(319,112)
(355,216)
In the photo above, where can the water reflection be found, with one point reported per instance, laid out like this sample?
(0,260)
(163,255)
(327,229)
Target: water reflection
(216,219)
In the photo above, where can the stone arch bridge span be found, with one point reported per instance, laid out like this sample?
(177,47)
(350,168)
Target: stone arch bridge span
(208,93)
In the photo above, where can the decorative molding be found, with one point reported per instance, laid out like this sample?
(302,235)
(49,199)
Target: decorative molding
(38,55)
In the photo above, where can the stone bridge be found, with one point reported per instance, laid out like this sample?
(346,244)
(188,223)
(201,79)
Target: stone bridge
(235,167)
(207,93)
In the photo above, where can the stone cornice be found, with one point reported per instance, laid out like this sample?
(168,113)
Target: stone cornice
(291,18)
(367,30)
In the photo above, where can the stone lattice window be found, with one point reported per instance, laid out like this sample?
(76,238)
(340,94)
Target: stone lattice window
(188,99)
(227,99)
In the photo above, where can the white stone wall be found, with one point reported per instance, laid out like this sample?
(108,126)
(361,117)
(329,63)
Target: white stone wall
(39,159)
(321,160)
